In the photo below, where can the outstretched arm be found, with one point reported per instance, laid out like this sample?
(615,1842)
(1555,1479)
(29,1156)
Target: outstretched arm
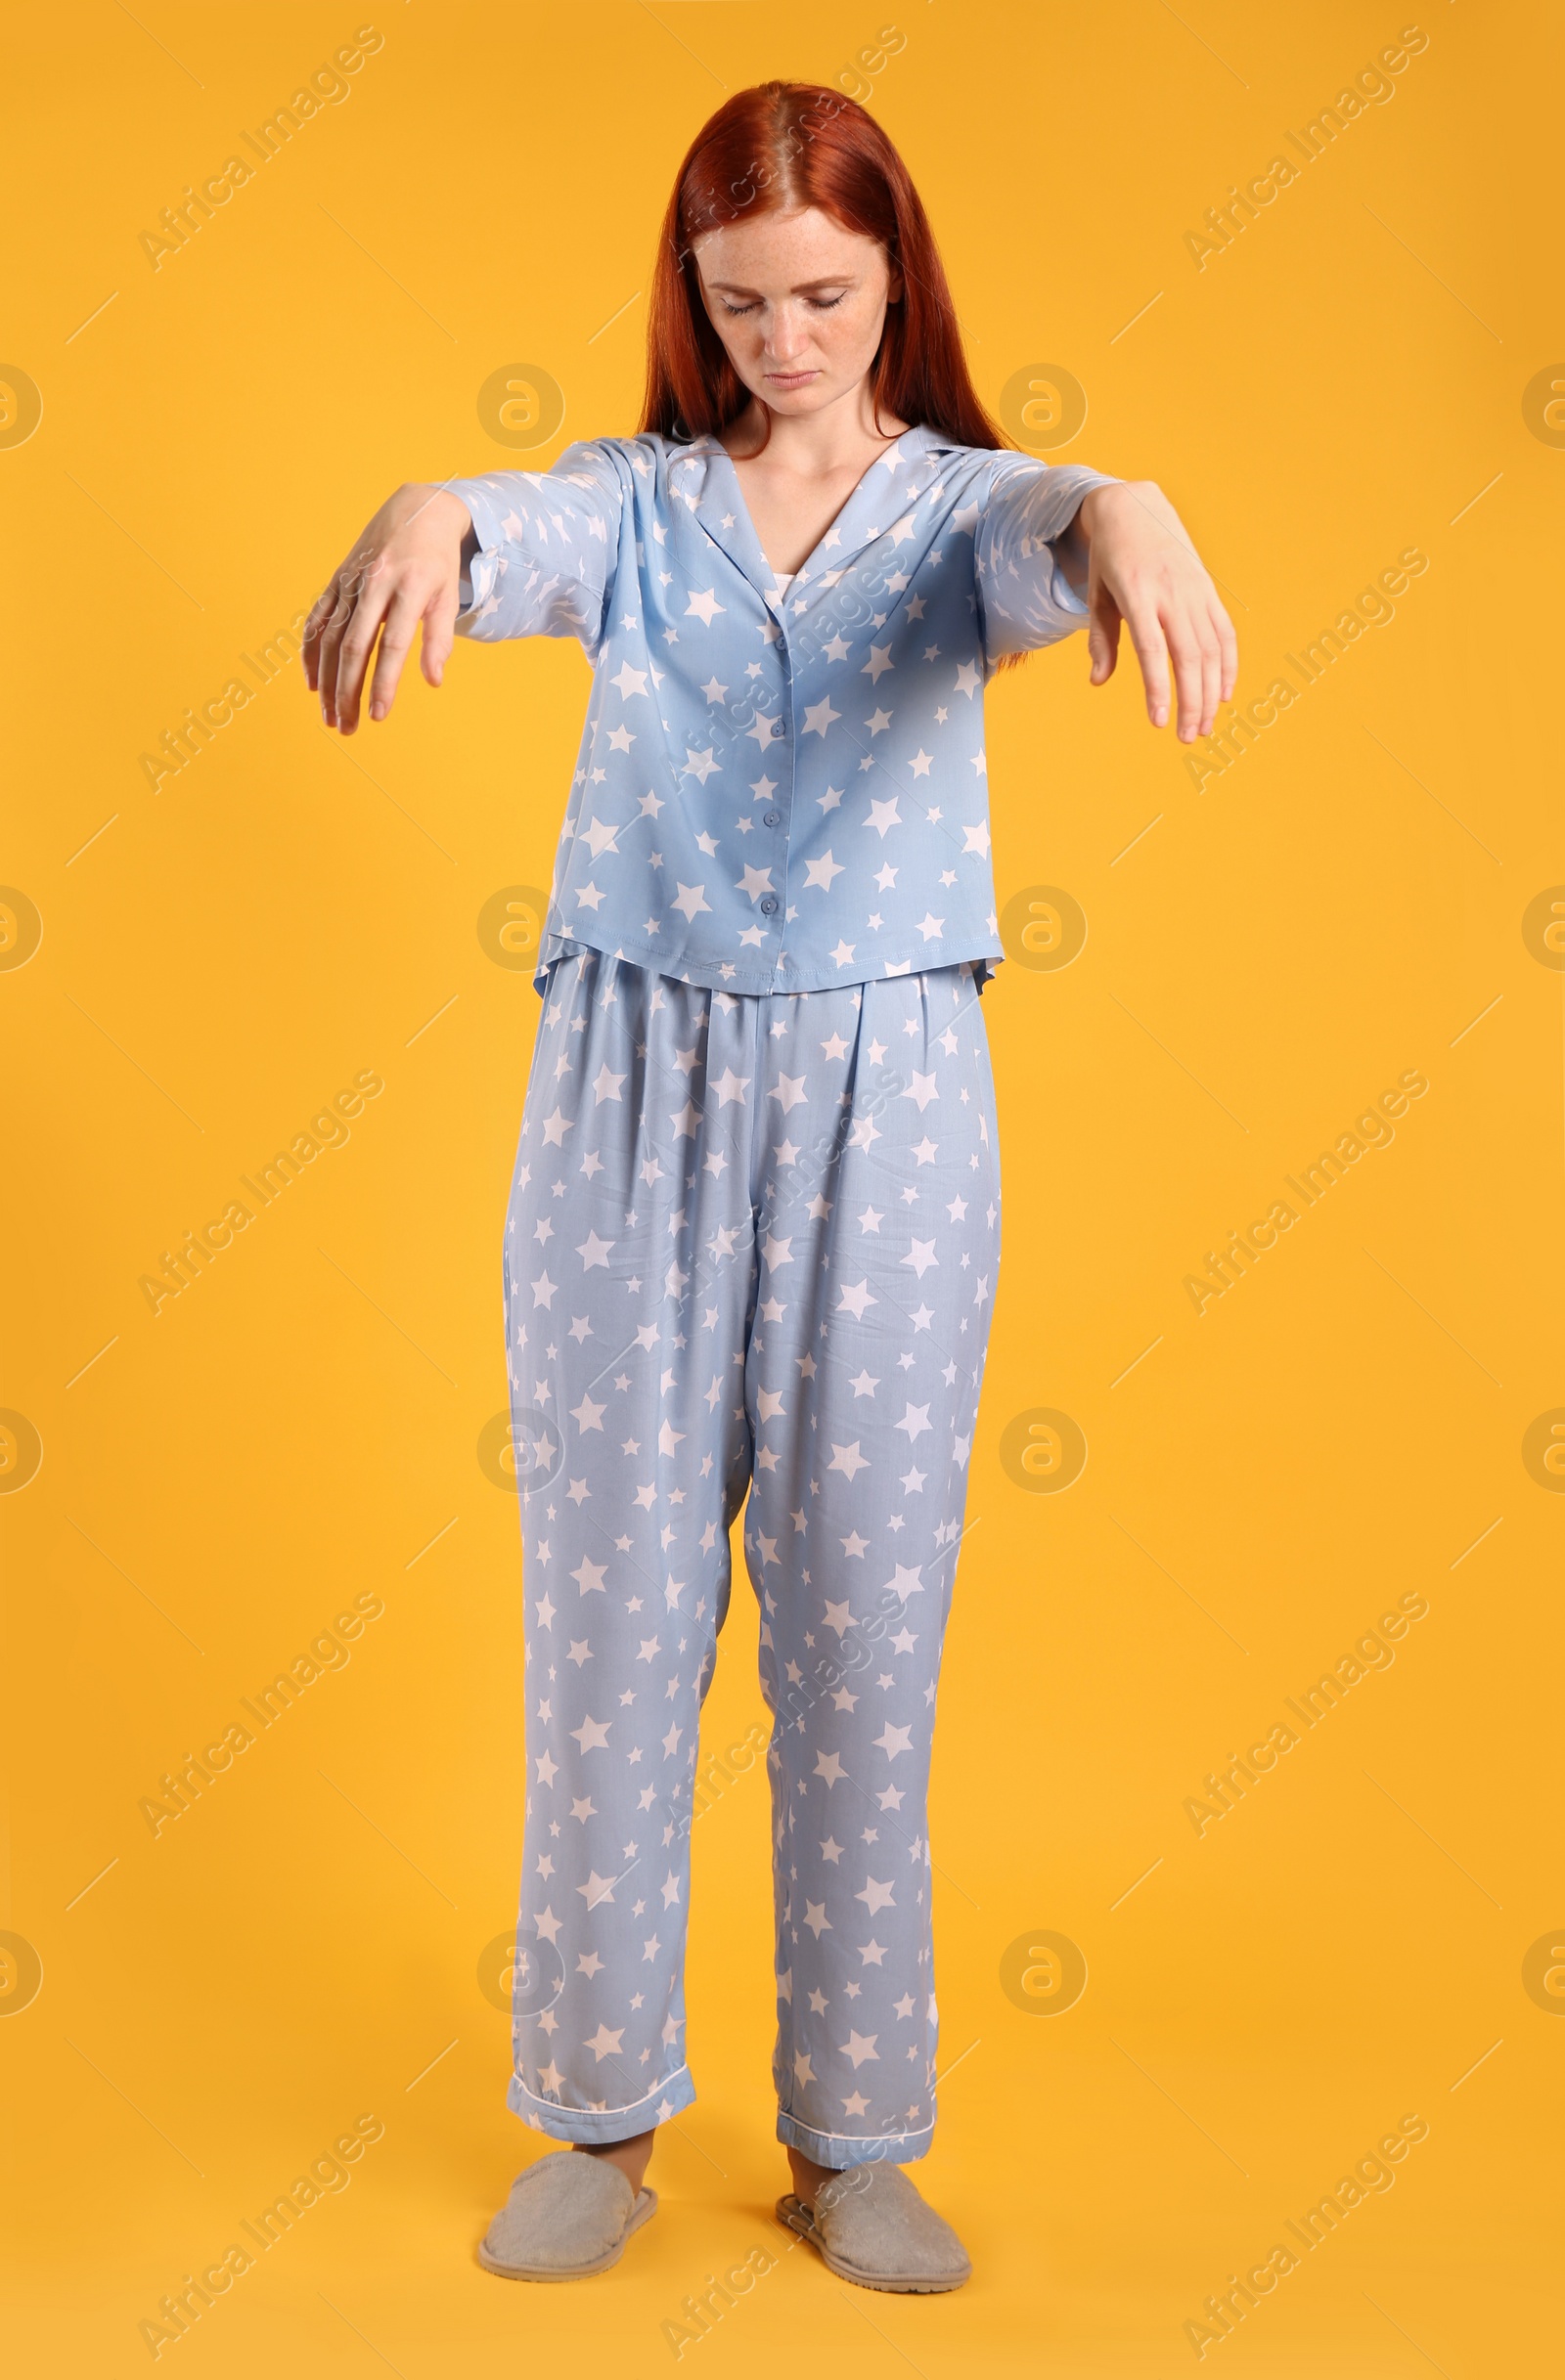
(1129,555)
(513,553)
(404,568)
(1061,547)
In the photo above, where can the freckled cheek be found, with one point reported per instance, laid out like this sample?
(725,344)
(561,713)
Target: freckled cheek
(856,340)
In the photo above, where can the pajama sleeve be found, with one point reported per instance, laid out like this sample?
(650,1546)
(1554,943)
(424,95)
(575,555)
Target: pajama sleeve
(548,544)
(1025,598)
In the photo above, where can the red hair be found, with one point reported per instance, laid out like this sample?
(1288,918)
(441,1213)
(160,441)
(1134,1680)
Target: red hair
(785,145)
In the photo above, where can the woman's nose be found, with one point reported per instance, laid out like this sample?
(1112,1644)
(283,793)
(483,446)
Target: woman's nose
(787,338)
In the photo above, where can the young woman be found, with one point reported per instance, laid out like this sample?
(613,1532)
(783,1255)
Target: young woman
(753,1233)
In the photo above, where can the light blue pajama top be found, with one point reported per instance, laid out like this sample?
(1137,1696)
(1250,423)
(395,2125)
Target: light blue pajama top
(779,788)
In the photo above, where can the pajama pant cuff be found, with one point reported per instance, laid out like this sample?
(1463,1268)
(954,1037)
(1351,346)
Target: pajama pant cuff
(840,2151)
(598,2127)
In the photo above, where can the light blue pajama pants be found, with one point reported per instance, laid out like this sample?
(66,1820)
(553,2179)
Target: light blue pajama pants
(751,1244)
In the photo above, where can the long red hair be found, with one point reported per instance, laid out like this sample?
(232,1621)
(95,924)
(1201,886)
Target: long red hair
(797,145)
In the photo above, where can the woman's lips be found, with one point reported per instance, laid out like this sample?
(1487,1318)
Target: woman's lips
(791,380)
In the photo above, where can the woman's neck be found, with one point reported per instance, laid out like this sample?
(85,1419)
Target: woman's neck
(840,437)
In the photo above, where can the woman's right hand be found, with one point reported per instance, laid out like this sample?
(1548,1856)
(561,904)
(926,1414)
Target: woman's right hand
(405,568)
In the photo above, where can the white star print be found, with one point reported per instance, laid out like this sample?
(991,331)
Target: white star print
(711,1230)
(1012,578)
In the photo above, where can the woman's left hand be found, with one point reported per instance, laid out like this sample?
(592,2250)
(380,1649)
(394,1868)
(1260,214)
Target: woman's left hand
(1142,569)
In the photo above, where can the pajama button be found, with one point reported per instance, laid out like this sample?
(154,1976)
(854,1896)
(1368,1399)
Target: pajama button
(769,903)
(772,818)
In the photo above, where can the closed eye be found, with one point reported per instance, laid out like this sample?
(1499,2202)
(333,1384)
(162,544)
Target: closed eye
(822,305)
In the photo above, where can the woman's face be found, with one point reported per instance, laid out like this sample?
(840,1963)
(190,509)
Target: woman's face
(798,301)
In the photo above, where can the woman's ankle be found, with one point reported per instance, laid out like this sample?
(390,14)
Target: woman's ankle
(632,2156)
(808,2177)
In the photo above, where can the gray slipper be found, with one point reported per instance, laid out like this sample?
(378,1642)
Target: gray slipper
(567,2216)
(872,2227)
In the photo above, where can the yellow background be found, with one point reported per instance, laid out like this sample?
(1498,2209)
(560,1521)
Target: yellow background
(1343,1428)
